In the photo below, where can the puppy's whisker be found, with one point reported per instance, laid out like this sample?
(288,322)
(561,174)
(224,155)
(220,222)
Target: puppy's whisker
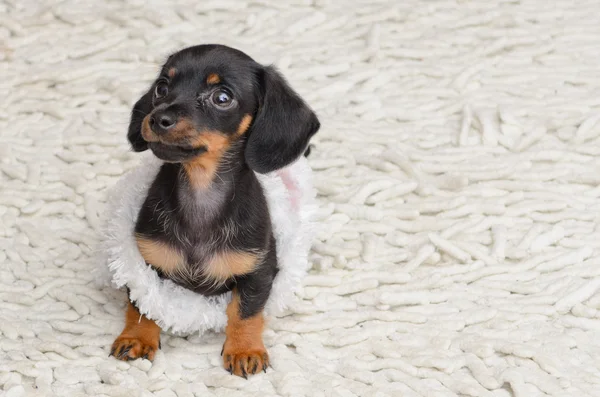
(134,110)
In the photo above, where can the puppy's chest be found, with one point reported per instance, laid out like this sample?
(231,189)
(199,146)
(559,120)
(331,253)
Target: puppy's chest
(203,266)
(201,239)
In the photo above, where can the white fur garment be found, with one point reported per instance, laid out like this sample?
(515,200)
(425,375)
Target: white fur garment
(290,197)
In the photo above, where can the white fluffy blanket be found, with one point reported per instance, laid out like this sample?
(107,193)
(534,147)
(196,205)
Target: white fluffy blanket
(290,197)
(457,173)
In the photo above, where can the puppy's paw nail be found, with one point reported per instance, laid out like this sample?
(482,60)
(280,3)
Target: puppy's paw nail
(131,348)
(244,363)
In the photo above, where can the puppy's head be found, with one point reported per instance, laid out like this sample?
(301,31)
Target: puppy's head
(209,96)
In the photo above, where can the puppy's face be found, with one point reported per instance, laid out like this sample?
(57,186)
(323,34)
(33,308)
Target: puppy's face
(207,97)
(202,101)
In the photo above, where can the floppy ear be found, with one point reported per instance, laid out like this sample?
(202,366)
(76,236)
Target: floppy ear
(282,126)
(140,110)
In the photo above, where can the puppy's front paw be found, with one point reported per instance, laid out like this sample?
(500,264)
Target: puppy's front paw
(244,361)
(130,348)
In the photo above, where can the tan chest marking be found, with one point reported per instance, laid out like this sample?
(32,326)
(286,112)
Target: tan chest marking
(224,265)
(218,269)
(160,255)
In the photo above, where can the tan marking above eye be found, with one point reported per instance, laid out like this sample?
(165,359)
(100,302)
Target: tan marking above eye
(222,266)
(172,72)
(244,124)
(213,78)
(160,255)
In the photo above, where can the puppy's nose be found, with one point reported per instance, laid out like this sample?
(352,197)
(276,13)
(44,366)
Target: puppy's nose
(162,122)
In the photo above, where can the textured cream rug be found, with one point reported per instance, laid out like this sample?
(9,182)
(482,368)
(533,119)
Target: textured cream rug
(458,175)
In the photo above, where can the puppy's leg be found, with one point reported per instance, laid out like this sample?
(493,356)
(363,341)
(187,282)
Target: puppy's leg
(140,337)
(244,352)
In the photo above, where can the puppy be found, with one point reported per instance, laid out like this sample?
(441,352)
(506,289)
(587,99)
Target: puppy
(215,117)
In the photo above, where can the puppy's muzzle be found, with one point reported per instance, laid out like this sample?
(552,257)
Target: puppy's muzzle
(162,121)
(168,127)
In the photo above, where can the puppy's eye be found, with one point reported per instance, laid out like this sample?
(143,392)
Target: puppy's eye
(221,98)
(161,90)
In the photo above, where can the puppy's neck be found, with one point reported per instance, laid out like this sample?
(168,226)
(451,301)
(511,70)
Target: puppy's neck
(208,183)
(201,172)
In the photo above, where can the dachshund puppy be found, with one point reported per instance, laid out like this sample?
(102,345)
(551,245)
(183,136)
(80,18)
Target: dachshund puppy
(215,117)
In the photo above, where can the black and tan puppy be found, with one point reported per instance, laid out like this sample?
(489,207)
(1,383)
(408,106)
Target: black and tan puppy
(214,116)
